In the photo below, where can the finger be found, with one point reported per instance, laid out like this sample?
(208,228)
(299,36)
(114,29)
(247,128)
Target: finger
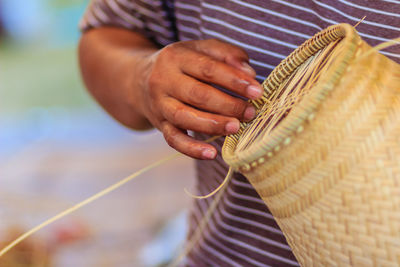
(228,53)
(208,69)
(208,98)
(185,144)
(188,118)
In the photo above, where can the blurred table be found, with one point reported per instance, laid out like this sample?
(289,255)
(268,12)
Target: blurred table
(76,156)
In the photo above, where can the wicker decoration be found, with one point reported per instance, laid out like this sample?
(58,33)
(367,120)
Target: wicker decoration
(324,151)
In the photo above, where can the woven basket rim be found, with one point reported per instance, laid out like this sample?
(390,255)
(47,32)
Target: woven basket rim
(279,136)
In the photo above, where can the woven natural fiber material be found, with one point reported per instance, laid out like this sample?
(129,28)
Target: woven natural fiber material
(324,151)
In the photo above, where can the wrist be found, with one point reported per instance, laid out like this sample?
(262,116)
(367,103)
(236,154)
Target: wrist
(131,75)
(108,59)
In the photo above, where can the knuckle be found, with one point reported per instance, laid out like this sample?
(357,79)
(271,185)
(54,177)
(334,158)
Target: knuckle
(169,53)
(210,46)
(169,137)
(215,41)
(207,68)
(198,95)
(168,50)
(177,116)
(170,140)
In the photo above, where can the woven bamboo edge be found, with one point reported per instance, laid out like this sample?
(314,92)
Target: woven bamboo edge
(244,161)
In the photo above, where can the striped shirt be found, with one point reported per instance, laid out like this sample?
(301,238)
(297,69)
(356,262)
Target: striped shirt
(241,231)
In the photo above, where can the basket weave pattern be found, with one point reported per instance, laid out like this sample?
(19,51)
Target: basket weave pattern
(330,172)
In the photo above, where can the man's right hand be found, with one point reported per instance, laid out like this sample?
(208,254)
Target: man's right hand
(176,94)
(171,88)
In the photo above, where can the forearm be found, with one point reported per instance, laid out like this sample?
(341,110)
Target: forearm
(111,62)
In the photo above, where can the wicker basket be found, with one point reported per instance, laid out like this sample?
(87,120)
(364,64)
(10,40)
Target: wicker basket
(328,167)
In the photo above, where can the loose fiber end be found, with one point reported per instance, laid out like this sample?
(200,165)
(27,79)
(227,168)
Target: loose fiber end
(226,179)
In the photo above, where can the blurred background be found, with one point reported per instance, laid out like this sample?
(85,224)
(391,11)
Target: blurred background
(57,147)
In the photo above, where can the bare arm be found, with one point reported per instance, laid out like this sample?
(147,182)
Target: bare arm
(143,86)
(110,60)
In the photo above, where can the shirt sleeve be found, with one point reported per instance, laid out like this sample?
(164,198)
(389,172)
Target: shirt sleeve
(153,18)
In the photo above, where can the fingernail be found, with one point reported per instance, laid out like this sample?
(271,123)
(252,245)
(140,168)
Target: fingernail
(254,91)
(232,127)
(208,153)
(249,113)
(248,69)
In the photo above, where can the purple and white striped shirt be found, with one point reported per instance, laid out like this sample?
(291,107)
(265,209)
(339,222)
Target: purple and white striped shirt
(242,232)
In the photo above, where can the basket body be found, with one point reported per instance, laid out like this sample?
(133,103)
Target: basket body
(330,171)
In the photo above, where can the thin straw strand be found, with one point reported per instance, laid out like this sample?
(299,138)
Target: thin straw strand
(358,23)
(200,229)
(379,47)
(213,192)
(91,199)
(85,202)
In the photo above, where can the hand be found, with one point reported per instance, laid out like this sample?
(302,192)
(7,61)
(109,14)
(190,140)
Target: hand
(176,95)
